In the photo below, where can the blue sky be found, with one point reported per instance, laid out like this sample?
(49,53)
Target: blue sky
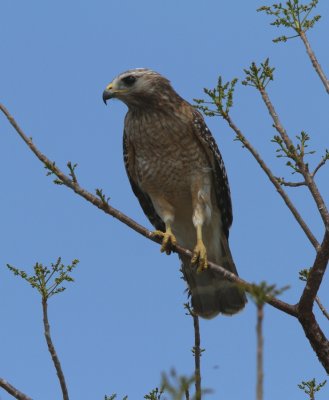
(122,322)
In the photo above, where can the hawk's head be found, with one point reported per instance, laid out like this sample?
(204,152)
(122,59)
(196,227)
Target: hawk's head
(139,87)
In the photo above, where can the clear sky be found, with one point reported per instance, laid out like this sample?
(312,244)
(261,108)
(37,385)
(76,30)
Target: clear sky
(122,322)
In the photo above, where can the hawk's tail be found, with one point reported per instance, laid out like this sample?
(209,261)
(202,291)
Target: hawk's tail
(210,293)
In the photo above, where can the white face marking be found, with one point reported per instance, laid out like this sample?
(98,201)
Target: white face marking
(140,83)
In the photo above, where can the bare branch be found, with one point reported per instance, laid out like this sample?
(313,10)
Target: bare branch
(197,357)
(290,184)
(274,180)
(314,60)
(299,161)
(325,158)
(260,348)
(13,391)
(52,350)
(197,352)
(322,308)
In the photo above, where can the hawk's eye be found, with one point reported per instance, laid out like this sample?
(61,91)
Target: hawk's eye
(129,80)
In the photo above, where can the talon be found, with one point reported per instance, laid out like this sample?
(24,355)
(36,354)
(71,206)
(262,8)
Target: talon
(200,258)
(168,240)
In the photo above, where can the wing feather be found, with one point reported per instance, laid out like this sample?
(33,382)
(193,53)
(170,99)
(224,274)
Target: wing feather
(143,198)
(222,188)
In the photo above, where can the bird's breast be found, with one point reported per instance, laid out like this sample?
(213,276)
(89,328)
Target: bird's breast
(167,156)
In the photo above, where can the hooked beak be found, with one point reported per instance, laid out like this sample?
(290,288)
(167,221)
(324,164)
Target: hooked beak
(108,93)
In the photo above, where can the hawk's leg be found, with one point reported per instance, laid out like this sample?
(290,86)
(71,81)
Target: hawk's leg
(201,213)
(168,239)
(166,212)
(200,252)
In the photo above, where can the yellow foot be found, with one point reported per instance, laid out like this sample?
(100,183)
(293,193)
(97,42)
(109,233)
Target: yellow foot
(168,240)
(200,258)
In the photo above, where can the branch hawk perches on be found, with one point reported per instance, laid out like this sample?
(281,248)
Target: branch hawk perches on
(178,175)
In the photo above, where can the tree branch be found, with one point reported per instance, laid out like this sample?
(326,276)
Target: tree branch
(315,277)
(197,356)
(274,180)
(316,337)
(260,348)
(322,308)
(13,391)
(290,184)
(321,164)
(313,332)
(52,350)
(314,60)
(104,206)
(302,166)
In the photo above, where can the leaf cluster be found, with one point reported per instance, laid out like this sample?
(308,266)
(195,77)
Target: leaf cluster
(263,291)
(295,154)
(293,15)
(72,168)
(113,397)
(221,97)
(48,281)
(303,274)
(102,196)
(53,170)
(179,386)
(155,394)
(259,77)
(311,387)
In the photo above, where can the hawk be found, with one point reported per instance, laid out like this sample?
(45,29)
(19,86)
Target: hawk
(177,173)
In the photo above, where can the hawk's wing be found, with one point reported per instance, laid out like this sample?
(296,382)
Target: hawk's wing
(143,198)
(222,188)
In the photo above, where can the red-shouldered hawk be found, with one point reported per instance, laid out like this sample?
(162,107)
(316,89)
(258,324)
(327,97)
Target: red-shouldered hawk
(178,175)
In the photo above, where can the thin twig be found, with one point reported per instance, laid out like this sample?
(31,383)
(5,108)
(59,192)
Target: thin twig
(301,165)
(314,60)
(290,184)
(52,350)
(275,182)
(197,357)
(13,391)
(321,164)
(322,308)
(285,307)
(260,348)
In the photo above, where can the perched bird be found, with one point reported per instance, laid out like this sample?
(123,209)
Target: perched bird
(178,175)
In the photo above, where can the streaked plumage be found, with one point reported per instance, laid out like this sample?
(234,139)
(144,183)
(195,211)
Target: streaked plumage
(177,173)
